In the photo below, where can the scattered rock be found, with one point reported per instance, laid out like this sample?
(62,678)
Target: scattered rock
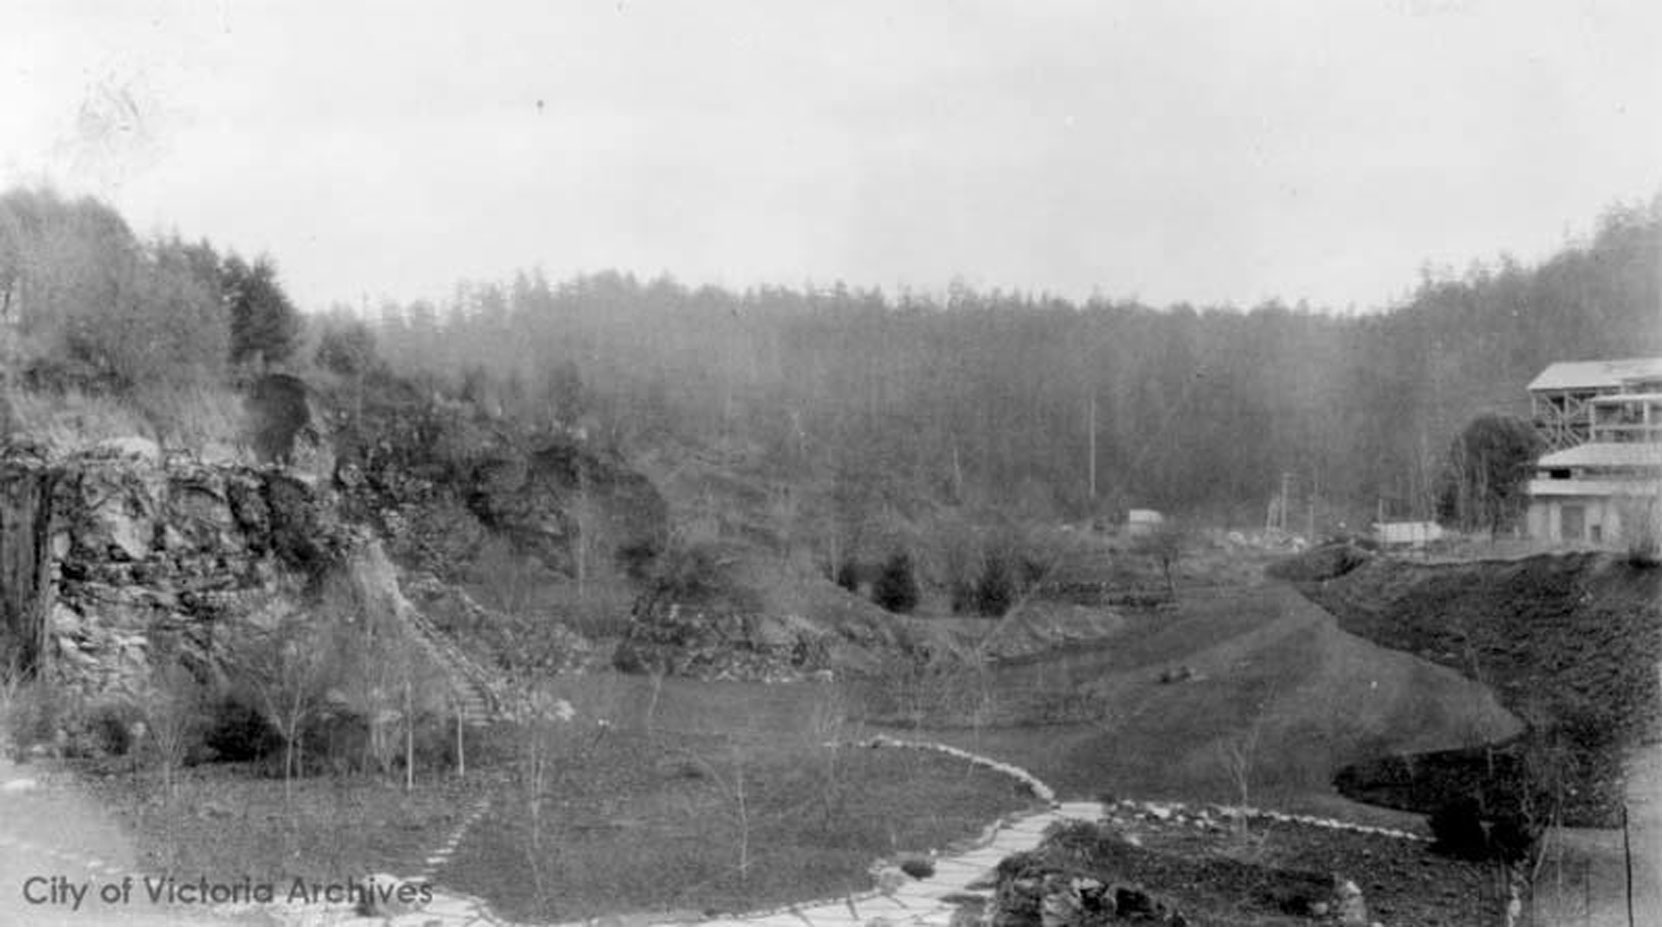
(213,809)
(1132,901)
(1177,674)
(389,896)
(719,642)
(918,867)
(1348,905)
(1060,905)
(889,880)
(133,446)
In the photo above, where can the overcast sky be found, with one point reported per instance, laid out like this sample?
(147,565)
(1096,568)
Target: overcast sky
(1210,152)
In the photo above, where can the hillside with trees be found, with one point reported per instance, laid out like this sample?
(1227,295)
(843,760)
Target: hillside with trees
(539,476)
(995,397)
(868,402)
(152,328)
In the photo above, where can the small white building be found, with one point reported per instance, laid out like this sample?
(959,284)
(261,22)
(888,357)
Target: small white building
(1143,522)
(1586,494)
(1406,533)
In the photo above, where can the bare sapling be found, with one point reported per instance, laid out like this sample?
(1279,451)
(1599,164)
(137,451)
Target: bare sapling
(657,673)
(1238,755)
(11,688)
(172,706)
(827,732)
(289,673)
(735,788)
(542,720)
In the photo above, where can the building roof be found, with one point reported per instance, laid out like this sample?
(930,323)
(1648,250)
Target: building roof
(1599,374)
(1604,454)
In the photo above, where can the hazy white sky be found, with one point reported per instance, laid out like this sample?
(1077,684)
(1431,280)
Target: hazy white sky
(1219,151)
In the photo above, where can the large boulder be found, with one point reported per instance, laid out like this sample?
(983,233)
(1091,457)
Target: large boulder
(288,427)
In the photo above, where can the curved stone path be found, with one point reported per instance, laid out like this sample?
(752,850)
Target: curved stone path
(899,900)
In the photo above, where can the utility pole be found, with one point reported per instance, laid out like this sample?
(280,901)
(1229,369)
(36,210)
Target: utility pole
(1285,508)
(8,330)
(1091,427)
(1310,512)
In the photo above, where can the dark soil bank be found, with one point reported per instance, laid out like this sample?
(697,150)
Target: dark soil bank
(1568,642)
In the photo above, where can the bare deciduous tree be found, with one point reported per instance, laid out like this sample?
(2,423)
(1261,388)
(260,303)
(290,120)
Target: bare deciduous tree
(173,706)
(289,670)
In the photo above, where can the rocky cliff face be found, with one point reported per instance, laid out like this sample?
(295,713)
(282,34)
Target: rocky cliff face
(25,565)
(138,548)
(109,554)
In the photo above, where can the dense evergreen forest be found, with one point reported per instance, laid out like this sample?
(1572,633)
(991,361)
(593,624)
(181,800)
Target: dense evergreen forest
(961,397)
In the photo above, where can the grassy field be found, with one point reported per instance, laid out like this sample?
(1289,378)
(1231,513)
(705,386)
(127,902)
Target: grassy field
(709,825)
(659,794)
(675,794)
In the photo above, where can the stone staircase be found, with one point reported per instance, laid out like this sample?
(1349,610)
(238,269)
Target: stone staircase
(478,694)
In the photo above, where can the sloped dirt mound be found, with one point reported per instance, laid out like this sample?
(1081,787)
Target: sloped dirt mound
(1569,643)
(1328,561)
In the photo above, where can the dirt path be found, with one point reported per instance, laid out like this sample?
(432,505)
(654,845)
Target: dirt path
(49,831)
(1644,808)
(1590,888)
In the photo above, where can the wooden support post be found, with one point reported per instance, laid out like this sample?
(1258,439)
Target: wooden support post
(1627,859)
(409,736)
(461,757)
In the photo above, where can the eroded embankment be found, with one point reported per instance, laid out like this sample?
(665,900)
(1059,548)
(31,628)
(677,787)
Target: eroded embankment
(1570,643)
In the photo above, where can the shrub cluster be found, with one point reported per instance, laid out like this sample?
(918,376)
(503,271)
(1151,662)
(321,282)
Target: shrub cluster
(1458,830)
(896,588)
(996,590)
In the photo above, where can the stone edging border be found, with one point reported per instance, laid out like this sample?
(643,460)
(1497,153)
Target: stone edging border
(1158,809)
(1176,810)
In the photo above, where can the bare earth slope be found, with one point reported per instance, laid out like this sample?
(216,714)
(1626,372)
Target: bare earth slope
(1570,643)
(1266,670)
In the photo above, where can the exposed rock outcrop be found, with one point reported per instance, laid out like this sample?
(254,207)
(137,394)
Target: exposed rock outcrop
(438,479)
(135,554)
(711,643)
(142,548)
